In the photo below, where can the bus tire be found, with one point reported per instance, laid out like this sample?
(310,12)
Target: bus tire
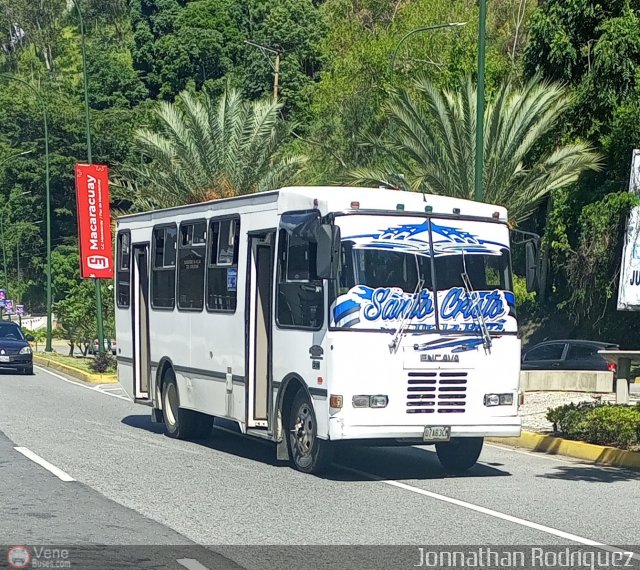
(178,422)
(459,454)
(308,453)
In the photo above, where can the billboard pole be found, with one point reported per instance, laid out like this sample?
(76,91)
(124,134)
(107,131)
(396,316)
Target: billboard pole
(89,160)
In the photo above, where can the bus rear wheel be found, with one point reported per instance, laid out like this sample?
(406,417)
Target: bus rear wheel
(308,453)
(459,454)
(178,422)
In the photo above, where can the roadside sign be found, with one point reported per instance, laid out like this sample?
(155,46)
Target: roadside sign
(20,310)
(3,298)
(94,221)
(8,307)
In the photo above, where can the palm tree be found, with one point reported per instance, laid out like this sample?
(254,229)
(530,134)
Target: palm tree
(432,145)
(206,149)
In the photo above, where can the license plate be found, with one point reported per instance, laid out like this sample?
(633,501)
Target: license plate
(436,433)
(5,359)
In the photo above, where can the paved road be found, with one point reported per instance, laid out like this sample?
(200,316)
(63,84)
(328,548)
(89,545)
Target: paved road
(229,491)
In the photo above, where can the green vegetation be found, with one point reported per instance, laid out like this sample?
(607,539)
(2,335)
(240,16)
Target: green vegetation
(103,363)
(432,145)
(210,149)
(594,422)
(83,363)
(171,82)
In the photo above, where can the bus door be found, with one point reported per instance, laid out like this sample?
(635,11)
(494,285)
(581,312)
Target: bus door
(140,324)
(259,309)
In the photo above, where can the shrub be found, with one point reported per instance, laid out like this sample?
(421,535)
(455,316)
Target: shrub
(103,362)
(594,422)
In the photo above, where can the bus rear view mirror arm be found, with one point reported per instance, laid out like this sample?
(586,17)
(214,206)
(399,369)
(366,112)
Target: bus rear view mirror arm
(328,252)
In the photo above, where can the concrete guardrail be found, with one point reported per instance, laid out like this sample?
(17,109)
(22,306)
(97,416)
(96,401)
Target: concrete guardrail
(566,381)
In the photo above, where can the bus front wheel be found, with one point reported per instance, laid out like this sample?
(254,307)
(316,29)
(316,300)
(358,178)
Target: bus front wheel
(459,454)
(178,422)
(308,453)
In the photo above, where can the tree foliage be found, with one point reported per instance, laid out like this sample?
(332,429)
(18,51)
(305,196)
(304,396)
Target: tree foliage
(337,93)
(209,148)
(432,144)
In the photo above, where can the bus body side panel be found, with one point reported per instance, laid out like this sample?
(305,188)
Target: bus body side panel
(217,379)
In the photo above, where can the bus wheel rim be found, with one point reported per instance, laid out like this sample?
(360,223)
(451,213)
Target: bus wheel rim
(304,431)
(170,404)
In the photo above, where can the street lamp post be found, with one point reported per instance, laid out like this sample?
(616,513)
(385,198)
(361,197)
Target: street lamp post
(42,102)
(415,31)
(89,161)
(479,190)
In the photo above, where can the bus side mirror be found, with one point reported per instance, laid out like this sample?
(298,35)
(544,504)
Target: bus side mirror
(531,259)
(328,253)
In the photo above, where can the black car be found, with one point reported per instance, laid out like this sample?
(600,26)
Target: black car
(15,351)
(568,355)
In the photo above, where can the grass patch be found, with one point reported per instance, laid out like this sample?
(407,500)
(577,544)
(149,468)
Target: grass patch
(80,362)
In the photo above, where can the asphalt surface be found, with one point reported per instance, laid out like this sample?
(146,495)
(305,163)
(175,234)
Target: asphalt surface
(134,486)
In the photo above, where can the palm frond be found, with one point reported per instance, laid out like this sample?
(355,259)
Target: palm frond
(206,148)
(431,144)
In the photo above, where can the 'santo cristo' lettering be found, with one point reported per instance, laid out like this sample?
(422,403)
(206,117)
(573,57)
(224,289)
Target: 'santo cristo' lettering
(458,304)
(390,304)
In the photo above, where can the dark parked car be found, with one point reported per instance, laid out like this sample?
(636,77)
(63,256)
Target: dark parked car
(15,351)
(568,355)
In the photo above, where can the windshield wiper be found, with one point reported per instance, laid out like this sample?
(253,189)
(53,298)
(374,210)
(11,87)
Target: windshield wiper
(393,345)
(476,311)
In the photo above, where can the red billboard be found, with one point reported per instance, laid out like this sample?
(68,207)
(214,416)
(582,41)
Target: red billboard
(94,221)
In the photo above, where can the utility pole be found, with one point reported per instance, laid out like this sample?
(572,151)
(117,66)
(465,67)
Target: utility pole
(479,190)
(89,161)
(276,67)
(276,75)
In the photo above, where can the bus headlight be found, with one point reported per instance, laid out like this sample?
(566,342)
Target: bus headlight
(360,401)
(365,401)
(379,401)
(498,399)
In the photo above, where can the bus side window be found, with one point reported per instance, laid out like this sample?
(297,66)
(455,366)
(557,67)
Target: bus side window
(300,299)
(191,263)
(222,266)
(123,276)
(163,267)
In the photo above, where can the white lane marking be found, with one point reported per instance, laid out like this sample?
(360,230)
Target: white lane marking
(490,512)
(191,564)
(59,473)
(92,388)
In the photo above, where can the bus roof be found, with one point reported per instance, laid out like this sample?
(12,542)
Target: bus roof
(335,199)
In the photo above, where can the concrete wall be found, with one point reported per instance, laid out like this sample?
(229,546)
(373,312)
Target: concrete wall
(566,381)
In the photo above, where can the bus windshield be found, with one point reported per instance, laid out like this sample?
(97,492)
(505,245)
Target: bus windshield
(380,268)
(380,273)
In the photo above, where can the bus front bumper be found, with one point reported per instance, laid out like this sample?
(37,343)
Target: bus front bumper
(499,427)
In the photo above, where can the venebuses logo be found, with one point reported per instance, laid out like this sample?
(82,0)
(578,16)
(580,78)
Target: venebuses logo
(19,557)
(94,221)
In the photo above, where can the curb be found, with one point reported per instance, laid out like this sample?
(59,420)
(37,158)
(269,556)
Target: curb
(75,372)
(600,454)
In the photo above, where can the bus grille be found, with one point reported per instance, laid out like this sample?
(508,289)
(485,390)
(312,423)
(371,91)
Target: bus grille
(442,392)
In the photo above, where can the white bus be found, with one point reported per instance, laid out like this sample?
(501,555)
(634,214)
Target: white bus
(311,316)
